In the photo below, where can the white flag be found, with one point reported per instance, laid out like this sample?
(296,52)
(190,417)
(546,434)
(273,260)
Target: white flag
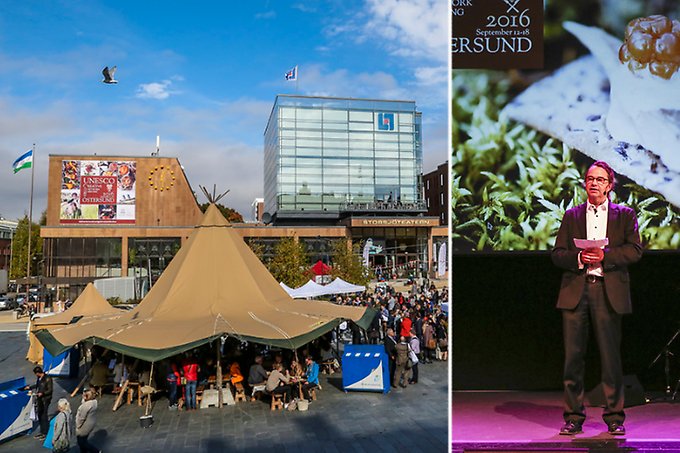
(441,262)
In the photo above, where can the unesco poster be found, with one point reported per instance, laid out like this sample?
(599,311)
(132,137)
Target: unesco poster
(97,191)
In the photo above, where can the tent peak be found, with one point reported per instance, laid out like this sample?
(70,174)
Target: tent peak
(213,218)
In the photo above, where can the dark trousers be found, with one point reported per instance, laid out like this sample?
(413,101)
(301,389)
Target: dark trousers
(286,390)
(172,393)
(305,389)
(85,445)
(42,406)
(393,367)
(414,373)
(593,308)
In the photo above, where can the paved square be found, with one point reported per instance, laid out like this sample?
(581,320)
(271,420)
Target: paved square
(414,419)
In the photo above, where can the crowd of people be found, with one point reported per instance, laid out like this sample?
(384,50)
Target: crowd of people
(411,325)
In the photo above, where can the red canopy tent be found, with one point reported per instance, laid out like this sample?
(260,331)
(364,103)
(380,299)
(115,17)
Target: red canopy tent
(320,268)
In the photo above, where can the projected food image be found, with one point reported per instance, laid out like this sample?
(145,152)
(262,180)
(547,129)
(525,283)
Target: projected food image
(522,140)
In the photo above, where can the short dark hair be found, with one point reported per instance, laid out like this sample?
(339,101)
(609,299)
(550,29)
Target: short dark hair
(37,370)
(610,171)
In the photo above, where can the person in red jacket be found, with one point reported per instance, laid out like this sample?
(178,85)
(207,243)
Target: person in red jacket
(190,369)
(406,324)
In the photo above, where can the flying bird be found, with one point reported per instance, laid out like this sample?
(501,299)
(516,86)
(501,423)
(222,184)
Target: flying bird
(108,75)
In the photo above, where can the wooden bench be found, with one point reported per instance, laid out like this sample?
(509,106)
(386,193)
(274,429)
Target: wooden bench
(240,392)
(277,401)
(328,367)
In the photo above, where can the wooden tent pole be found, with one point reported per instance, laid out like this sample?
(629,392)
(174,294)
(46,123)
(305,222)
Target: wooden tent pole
(148,397)
(119,400)
(218,378)
(87,375)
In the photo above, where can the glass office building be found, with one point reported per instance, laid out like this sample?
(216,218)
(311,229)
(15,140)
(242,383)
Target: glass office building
(325,156)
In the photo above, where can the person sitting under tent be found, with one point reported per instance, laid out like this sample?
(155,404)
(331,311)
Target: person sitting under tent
(257,377)
(328,358)
(296,369)
(278,383)
(99,376)
(235,372)
(311,376)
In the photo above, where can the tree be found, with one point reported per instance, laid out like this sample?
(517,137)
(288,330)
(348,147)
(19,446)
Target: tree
(20,249)
(230,214)
(348,264)
(257,248)
(290,263)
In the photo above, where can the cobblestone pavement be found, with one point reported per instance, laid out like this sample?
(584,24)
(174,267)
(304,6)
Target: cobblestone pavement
(414,419)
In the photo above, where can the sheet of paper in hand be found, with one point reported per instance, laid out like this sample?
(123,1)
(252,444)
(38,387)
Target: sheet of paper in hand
(591,243)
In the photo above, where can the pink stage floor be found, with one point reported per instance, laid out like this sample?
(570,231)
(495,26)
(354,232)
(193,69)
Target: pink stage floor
(530,421)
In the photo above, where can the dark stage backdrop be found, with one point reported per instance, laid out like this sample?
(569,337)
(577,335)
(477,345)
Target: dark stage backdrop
(507,332)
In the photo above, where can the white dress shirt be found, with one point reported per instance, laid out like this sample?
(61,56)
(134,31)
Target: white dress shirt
(596,228)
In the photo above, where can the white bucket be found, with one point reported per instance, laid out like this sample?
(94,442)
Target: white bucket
(302,405)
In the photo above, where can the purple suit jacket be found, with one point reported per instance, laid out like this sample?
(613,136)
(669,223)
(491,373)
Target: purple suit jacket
(624,249)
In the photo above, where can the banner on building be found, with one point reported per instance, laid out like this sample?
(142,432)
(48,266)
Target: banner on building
(97,191)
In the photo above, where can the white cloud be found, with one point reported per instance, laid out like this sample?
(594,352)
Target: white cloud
(317,80)
(221,143)
(304,7)
(154,90)
(266,15)
(432,75)
(413,28)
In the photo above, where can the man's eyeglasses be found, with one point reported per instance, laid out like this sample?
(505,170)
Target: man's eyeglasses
(599,179)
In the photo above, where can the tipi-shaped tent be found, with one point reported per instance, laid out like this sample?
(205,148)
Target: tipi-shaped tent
(90,303)
(215,285)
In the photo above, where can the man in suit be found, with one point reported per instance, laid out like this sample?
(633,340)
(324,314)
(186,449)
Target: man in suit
(595,289)
(390,343)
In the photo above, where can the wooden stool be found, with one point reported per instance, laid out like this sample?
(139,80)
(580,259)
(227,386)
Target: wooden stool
(277,401)
(312,393)
(132,386)
(327,367)
(240,392)
(199,395)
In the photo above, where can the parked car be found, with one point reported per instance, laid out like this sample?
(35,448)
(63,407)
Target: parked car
(6,303)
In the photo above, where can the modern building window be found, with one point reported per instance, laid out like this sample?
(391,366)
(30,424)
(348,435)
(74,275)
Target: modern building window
(322,153)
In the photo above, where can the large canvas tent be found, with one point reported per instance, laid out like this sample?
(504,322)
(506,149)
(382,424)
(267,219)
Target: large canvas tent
(89,304)
(214,286)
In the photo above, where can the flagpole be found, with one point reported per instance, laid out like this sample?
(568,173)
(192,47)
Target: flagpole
(30,221)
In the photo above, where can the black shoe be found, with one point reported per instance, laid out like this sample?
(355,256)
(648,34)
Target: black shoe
(39,436)
(616,429)
(571,428)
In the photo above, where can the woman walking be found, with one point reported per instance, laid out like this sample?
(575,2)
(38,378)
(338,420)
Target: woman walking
(63,427)
(85,419)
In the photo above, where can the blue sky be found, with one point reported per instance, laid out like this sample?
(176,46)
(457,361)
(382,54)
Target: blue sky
(203,76)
